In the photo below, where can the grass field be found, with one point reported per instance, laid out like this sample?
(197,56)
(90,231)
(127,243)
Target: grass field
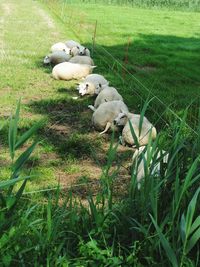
(163,50)
(105,220)
(163,59)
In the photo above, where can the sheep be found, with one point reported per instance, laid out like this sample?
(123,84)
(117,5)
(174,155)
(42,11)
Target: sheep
(71,43)
(82,60)
(80,50)
(104,115)
(147,129)
(60,47)
(142,163)
(69,71)
(57,57)
(92,84)
(108,94)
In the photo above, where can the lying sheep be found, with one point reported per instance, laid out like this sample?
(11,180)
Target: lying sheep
(143,163)
(82,60)
(80,50)
(108,94)
(69,71)
(92,84)
(105,114)
(147,129)
(71,43)
(57,57)
(60,47)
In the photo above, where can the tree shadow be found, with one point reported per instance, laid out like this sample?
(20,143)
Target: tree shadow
(163,67)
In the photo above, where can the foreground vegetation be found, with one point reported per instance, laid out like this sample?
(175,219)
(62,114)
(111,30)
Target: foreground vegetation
(157,225)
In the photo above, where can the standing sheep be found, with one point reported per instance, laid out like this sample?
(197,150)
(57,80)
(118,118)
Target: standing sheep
(69,71)
(60,47)
(107,94)
(147,129)
(82,60)
(104,115)
(57,57)
(91,84)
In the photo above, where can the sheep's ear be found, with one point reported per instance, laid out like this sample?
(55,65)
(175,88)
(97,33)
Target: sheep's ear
(104,86)
(92,67)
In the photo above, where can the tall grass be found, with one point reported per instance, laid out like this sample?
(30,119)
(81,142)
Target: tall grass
(157,225)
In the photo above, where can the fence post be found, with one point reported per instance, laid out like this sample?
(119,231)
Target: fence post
(126,57)
(94,37)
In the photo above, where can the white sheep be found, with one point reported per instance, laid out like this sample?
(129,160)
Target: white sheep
(104,115)
(106,95)
(71,43)
(57,57)
(82,60)
(60,47)
(143,158)
(80,50)
(92,84)
(69,71)
(147,129)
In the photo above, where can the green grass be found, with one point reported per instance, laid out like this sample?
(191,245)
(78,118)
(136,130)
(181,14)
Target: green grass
(65,136)
(163,54)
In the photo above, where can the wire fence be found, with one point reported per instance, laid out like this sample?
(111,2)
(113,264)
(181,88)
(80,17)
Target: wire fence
(86,30)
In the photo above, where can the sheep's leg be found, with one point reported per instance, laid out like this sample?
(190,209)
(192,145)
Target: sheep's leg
(92,107)
(107,127)
(121,139)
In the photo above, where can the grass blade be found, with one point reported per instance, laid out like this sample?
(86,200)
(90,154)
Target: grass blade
(134,135)
(195,224)
(193,240)
(142,113)
(12,134)
(8,183)
(168,250)
(28,134)
(22,159)
(190,212)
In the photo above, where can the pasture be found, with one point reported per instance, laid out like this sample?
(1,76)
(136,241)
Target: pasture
(146,53)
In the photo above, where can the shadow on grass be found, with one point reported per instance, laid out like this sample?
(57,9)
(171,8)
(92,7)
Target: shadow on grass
(69,126)
(162,66)
(169,55)
(46,68)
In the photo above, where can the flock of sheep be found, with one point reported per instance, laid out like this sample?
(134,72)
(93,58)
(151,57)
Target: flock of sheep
(71,61)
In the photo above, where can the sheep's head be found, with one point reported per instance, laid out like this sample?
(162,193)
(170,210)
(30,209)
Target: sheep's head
(47,60)
(74,51)
(121,119)
(82,50)
(86,88)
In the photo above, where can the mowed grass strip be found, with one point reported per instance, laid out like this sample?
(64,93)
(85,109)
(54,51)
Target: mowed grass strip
(66,141)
